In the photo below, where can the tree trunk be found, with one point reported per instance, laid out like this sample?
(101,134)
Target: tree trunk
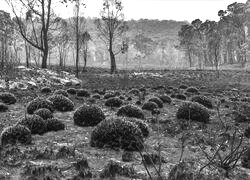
(113,63)
(85,59)
(44,59)
(27,54)
(77,38)
(190,59)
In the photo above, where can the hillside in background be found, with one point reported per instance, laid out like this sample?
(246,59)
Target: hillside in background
(163,36)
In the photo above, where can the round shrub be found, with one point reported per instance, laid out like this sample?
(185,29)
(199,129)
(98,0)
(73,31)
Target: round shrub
(129,99)
(150,106)
(117,133)
(46,90)
(3,107)
(192,90)
(8,98)
(157,100)
(54,124)
(44,113)
(245,159)
(203,100)
(61,103)
(88,115)
(61,92)
(96,96)
(130,111)
(39,103)
(16,134)
(83,93)
(183,86)
(117,93)
(35,123)
(71,91)
(109,95)
(180,96)
(165,99)
(142,125)
(122,97)
(173,96)
(134,91)
(193,111)
(114,102)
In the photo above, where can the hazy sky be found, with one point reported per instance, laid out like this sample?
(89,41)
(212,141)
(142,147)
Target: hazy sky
(155,9)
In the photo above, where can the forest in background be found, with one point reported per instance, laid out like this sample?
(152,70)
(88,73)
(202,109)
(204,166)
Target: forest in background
(165,44)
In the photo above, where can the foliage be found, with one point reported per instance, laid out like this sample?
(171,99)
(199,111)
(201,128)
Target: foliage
(165,99)
(61,92)
(157,100)
(180,96)
(87,115)
(83,93)
(39,103)
(8,98)
(114,102)
(149,105)
(44,113)
(192,90)
(71,91)
(245,159)
(117,133)
(203,100)
(111,26)
(109,95)
(96,96)
(134,91)
(3,107)
(61,103)
(16,134)
(46,90)
(35,123)
(54,124)
(41,171)
(130,111)
(141,125)
(113,169)
(193,111)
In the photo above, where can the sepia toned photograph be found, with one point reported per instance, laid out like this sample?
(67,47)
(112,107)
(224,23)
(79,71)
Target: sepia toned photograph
(125,89)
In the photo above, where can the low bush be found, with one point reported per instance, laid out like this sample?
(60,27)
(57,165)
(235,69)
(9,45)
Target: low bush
(71,91)
(61,103)
(117,133)
(130,111)
(203,100)
(54,124)
(7,98)
(46,90)
(61,92)
(114,102)
(165,99)
(44,113)
(88,115)
(149,106)
(35,123)
(193,111)
(39,103)
(83,93)
(3,107)
(180,96)
(16,134)
(157,100)
(96,96)
(193,90)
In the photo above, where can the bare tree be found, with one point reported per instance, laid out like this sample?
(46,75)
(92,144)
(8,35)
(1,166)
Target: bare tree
(41,17)
(111,26)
